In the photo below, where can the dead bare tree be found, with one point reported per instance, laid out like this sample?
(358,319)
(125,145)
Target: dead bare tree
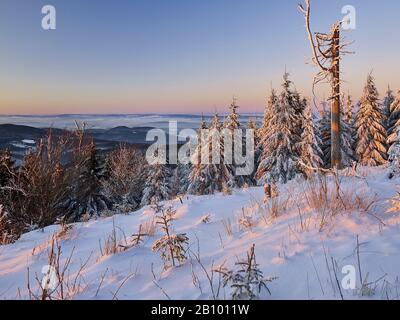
(328,50)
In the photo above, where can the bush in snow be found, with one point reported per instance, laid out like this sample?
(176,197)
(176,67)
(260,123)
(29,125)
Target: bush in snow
(394,204)
(40,185)
(6,235)
(246,280)
(172,247)
(126,176)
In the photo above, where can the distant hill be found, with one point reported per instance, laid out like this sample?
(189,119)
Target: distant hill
(19,138)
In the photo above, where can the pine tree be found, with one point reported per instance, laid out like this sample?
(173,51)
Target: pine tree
(180,179)
(387,102)
(348,113)
(279,158)
(393,120)
(324,130)
(7,173)
(347,134)
(252,125)
(87,197)
(232,123)
(371,132)
(157,186)
(6,167)
(210,177)
(268,115)
(197,175)
(394,155)
(310,151)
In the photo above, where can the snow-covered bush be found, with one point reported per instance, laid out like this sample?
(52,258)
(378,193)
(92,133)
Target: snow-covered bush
(394,204)
(246,221)
(39,187)
(6,236)
(126,176)
(246,280)
(327,197)
(172,247)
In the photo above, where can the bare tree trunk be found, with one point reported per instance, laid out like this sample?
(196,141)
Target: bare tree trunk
(335,117)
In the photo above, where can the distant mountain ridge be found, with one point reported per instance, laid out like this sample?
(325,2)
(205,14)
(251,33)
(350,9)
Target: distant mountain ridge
(16,137)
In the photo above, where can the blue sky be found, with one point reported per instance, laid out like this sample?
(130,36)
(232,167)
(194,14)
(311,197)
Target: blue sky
(180,56)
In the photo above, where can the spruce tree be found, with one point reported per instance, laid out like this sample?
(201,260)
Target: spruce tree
(279,158)
(157,186)
(371,133)
(232,123)
(196,177)
(268,114)
(6,167)
(210,177)
(252,125)
(387,103)
(324,130)
(347,133)
(394,154)
(393,120)
(310,151)
(86,194)
(7,175)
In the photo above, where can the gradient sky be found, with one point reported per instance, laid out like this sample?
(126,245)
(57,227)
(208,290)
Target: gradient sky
(164,56)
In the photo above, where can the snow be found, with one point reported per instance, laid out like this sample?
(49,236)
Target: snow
(298,258)
(28,141)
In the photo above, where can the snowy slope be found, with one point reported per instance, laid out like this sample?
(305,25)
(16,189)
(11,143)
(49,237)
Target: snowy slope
(291,247)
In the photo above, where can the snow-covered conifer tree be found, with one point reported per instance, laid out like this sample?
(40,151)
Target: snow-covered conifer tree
(86,196)
(387,102)
(279,158)
(268,114)
(232,123)
(252,125)
(347,134)
(394,155)
(310,151)
(157,186)
(324,131)
(371,133)
(393,120)
(6,167)
(209,175)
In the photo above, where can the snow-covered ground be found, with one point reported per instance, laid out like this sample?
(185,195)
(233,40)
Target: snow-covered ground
(294,247)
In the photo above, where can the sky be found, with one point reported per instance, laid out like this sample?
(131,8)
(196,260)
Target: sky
(179,56)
